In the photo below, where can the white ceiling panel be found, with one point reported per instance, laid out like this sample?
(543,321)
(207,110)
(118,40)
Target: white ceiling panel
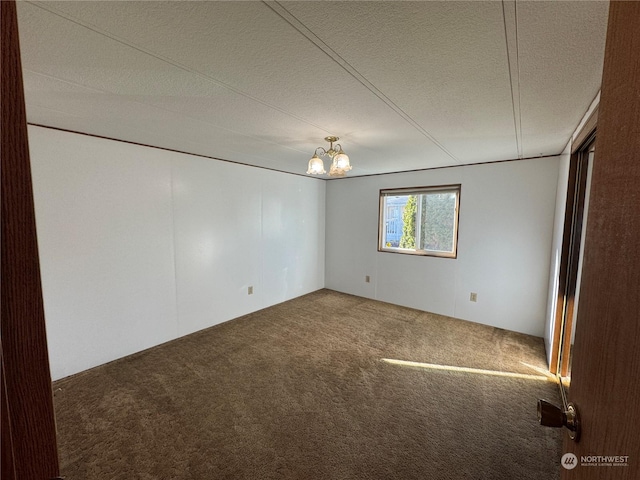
(406,85)
(443,63)
(560,71)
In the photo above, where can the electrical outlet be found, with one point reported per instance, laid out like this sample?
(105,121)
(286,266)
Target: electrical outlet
(367,279)
(250,290)
(473,297)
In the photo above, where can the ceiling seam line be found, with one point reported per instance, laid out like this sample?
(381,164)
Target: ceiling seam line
(176,64)
(106,92)
(351,70)
(521,149)
(513,98)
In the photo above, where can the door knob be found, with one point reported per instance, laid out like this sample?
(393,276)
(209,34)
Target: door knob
(551,416)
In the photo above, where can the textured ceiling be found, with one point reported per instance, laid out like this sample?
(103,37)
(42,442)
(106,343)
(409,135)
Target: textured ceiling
(406,85)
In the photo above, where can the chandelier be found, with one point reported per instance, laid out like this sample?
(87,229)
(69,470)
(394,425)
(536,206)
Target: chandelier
(339,160)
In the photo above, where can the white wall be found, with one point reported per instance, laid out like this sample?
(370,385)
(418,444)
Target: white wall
(504,244)
(139,246)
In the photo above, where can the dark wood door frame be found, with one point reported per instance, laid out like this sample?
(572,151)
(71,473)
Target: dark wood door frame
(29,448)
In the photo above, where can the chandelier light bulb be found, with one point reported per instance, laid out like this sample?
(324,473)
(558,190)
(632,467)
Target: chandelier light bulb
(341,161)
(316,166)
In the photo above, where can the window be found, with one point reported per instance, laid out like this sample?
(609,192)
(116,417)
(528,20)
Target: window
(419,220)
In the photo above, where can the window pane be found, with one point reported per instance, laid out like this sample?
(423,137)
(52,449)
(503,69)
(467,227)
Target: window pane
(408,239)
(419,221)
(438,218)
(394,209)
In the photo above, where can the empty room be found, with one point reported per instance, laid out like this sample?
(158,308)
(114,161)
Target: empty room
(317,239)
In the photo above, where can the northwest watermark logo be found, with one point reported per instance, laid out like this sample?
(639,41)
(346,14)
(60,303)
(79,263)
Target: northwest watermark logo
(570,461)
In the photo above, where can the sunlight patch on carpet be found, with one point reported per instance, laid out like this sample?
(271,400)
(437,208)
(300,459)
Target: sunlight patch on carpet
(480,371)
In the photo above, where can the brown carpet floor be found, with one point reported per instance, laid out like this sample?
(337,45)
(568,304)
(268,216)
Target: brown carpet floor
(300,391)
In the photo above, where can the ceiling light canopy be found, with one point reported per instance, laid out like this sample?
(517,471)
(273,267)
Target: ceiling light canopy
(339,160)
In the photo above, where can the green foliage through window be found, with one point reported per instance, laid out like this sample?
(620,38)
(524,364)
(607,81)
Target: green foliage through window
(408,239)
(438,217)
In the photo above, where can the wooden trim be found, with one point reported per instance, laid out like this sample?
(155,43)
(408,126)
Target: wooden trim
(418,190)
(567,275)
(24,344)
(569,259)
(586,132)
(282,171)
(574,257)
(173,150)
(419,253)
(448,166)
(380,213)
(564,264)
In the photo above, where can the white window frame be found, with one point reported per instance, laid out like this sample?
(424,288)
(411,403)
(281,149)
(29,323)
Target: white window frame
(382,220)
